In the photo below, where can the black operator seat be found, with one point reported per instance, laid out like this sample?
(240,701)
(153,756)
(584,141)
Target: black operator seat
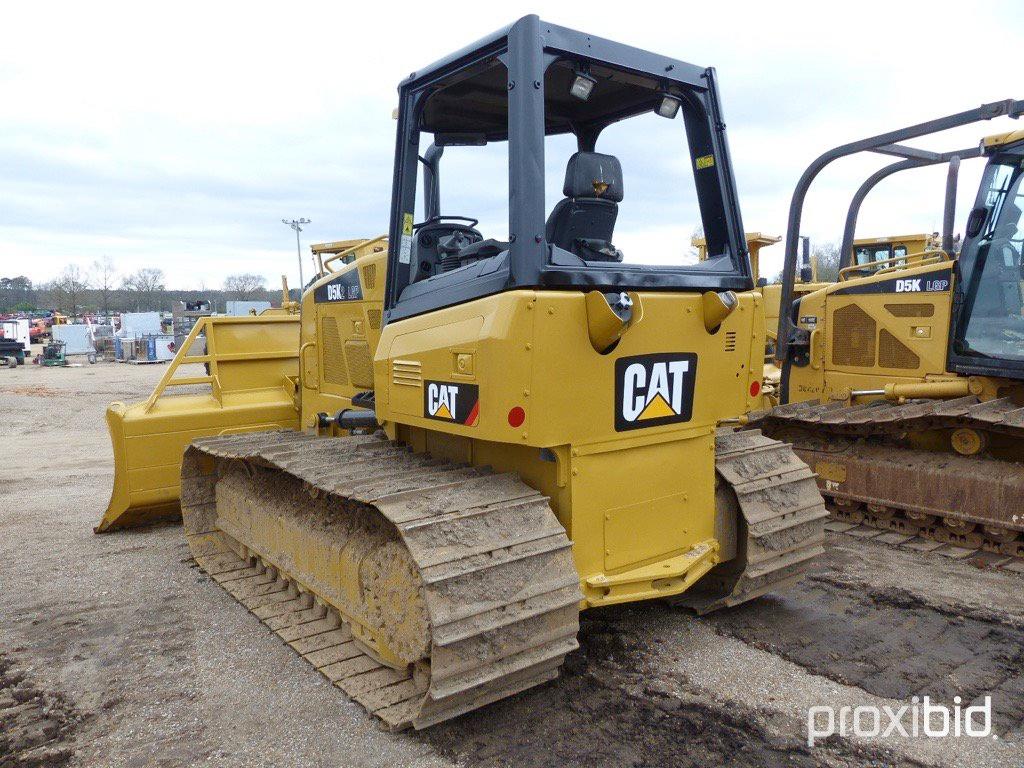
(583,222)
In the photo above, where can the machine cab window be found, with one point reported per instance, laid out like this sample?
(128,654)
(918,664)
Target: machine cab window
(866,255)
(991,268)
(480,144)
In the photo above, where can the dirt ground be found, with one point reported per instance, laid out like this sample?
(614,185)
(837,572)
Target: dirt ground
(117,651)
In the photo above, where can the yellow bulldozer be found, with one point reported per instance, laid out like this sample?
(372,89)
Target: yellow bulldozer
(903,383)
(866,252)
(462,441)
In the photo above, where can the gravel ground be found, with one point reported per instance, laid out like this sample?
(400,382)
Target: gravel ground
(116,651)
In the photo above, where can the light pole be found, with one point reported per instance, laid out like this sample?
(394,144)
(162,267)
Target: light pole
(296,224)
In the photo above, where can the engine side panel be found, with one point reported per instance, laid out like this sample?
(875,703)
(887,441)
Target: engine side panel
(867,332)
(341,324)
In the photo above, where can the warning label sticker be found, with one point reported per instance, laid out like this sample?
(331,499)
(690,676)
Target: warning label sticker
(405,246)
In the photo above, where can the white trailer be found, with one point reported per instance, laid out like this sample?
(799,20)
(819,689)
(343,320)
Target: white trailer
(18,329)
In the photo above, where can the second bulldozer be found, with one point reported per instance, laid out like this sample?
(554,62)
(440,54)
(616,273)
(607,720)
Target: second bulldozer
(524,427)
(903,383)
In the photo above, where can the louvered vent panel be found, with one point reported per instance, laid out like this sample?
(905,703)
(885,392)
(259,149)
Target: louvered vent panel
(854,337)
(730,341)
(406,372)
(893,353)
(374,317)
(332,361)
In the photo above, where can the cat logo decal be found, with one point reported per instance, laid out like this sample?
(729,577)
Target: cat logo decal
(651,390)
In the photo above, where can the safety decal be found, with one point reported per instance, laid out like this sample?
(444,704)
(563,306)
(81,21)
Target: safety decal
(405,246)
(705,161)
(651,390)
(451,402)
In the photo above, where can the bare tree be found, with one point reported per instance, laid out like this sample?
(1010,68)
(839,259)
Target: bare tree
(145,284)
(244,286)
(827,257)
(104,274)
(67,289)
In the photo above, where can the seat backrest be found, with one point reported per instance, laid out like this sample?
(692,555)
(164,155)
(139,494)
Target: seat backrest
(593,190)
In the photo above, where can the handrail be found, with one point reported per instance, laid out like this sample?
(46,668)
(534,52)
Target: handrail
(326,263)
(165,380)
(953,158)
(895,264)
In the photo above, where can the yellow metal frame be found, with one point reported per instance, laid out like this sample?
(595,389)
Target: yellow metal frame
(755,242)
(925,334)
(214,361)
(253,385)
(640,504)
(349,247)
(354,322)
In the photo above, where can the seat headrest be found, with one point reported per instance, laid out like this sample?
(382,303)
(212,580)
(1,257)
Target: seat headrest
(1009,218)
(591,174)
(1010,214)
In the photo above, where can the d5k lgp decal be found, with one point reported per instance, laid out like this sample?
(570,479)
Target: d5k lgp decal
(342,288)
(451,402)
(651,390)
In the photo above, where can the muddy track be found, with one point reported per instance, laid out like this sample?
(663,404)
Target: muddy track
(889,643)
(477,561)
(872,472)
(35,725)
(613,707)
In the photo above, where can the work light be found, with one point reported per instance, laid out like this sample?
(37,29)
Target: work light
(582,85)
(668,107)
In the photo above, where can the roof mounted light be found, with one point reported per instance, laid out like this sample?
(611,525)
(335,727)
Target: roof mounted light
(582,85)
(668,106)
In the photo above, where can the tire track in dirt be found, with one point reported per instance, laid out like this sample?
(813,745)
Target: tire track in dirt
(889,643)
(609,707)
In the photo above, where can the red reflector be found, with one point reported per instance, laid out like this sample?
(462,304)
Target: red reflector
(516,417)
(755,388)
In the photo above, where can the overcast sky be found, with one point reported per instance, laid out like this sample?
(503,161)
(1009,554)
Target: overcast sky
(179,138)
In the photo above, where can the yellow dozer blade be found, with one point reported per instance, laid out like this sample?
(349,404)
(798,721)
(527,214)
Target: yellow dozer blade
(244,380)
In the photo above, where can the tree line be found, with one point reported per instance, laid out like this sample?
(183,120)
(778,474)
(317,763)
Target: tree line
(826,256)
(100,289)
